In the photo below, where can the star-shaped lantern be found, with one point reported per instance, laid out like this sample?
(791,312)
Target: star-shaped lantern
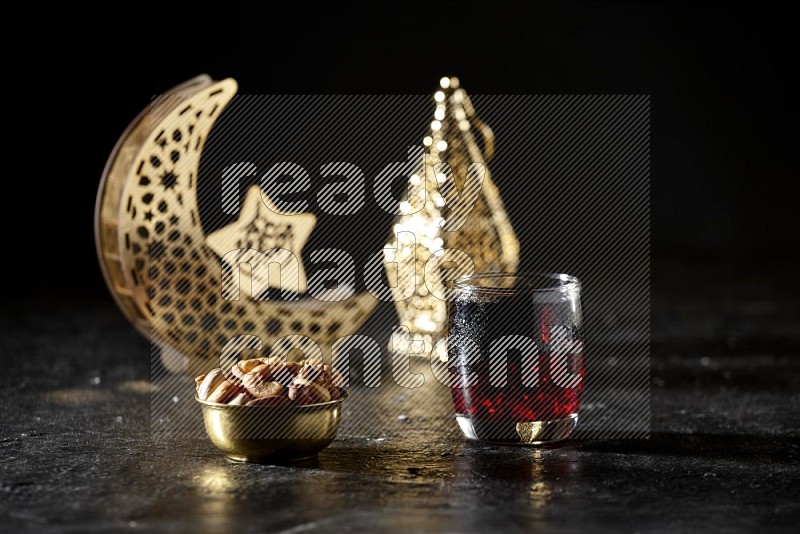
(264,235)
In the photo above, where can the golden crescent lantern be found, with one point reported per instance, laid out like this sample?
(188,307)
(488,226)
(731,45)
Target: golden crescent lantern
(163,271)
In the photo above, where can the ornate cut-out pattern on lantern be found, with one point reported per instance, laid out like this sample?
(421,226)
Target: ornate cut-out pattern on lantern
(166,273)
(485,235)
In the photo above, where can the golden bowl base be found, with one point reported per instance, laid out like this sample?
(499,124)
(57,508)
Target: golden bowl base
(272,434)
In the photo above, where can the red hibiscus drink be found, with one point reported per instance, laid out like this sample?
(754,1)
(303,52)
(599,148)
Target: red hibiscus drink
(516,357)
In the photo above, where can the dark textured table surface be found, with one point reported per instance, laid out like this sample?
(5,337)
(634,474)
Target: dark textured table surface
(723,453)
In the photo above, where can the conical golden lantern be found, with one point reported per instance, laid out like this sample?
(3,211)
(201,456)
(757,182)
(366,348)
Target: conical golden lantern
(456,216)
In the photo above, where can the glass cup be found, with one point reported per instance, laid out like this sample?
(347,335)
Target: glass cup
(515,356)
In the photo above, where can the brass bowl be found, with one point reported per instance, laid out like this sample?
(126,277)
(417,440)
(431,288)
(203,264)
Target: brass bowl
(272,433)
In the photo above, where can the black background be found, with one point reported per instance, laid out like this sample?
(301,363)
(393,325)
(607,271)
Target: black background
(722,114)
(724,339)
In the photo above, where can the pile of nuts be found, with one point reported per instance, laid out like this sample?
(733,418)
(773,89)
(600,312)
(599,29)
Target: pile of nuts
(271,382)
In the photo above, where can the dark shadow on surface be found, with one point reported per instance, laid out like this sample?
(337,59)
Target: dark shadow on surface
(722,446)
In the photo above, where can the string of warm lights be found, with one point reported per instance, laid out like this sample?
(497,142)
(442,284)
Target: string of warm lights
(488,238)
